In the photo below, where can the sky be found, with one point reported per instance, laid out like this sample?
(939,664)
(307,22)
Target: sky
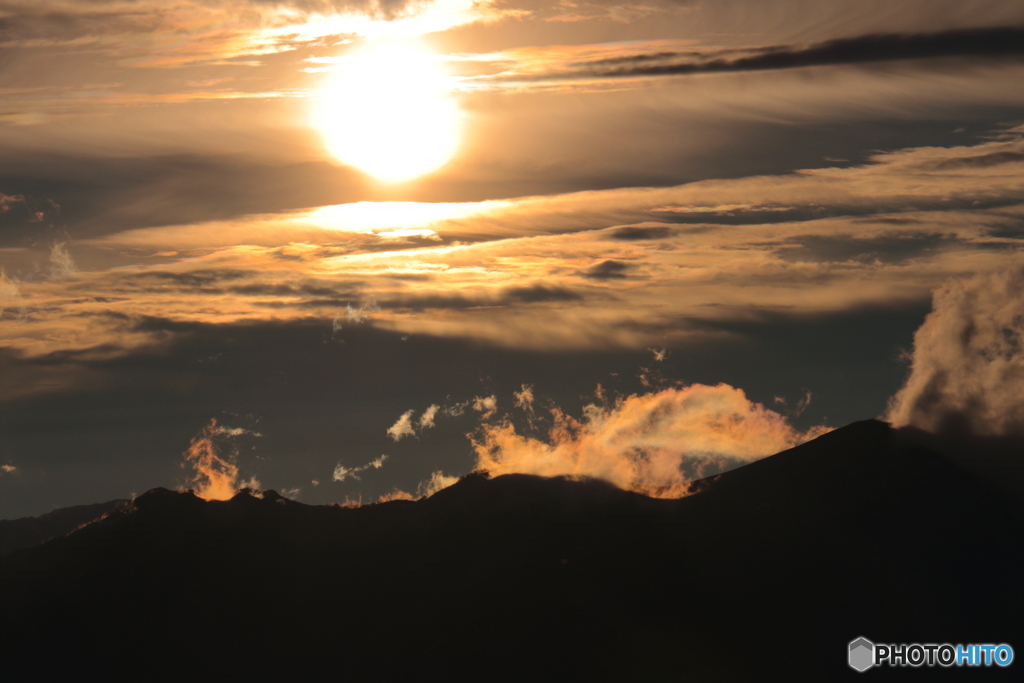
(353,249)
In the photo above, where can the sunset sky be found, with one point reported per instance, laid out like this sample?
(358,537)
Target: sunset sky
(385,243)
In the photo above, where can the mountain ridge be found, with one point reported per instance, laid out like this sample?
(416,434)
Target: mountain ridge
(850,535)
(27,532)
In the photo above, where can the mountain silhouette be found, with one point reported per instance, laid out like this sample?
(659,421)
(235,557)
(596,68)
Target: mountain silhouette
(767,570)
(26,532)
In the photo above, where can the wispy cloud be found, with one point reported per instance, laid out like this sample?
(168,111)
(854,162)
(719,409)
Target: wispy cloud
(341,473)
(524,398)
(486,405)
(61,263)
(403,427)
(437,481)
(406,425)
(427,418)
(354,315)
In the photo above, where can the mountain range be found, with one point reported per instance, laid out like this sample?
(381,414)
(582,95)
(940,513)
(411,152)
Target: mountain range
(768,569)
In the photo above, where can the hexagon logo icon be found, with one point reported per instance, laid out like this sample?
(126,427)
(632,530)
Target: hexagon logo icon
(862,654)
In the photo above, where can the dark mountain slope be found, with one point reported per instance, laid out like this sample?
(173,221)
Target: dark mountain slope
(30,531)
(775,566)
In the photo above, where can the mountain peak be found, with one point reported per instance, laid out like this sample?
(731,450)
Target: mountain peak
(160,497)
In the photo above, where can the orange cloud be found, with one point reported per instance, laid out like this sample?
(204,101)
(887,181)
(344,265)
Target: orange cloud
(642,441)
(403,427)
(215,478)
(438,480)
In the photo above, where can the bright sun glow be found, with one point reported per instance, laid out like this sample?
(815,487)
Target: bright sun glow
(387,111)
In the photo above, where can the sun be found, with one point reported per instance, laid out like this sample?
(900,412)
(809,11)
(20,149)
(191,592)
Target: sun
(388,112)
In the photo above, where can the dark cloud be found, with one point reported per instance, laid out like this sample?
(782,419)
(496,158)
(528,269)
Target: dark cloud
(259,289)
(1013,232)
(882,220)
(99,196)
(411,277)
(539,293)
(636,233)
(26,217)
(884,248)
(194,278)
(532,294)
(433,301)
(311,304)
(607,270)
(219,282)
(755,215)
(982,43)
(857,211)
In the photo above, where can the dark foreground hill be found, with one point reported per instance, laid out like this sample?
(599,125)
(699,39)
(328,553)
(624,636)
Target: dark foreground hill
(767,573)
